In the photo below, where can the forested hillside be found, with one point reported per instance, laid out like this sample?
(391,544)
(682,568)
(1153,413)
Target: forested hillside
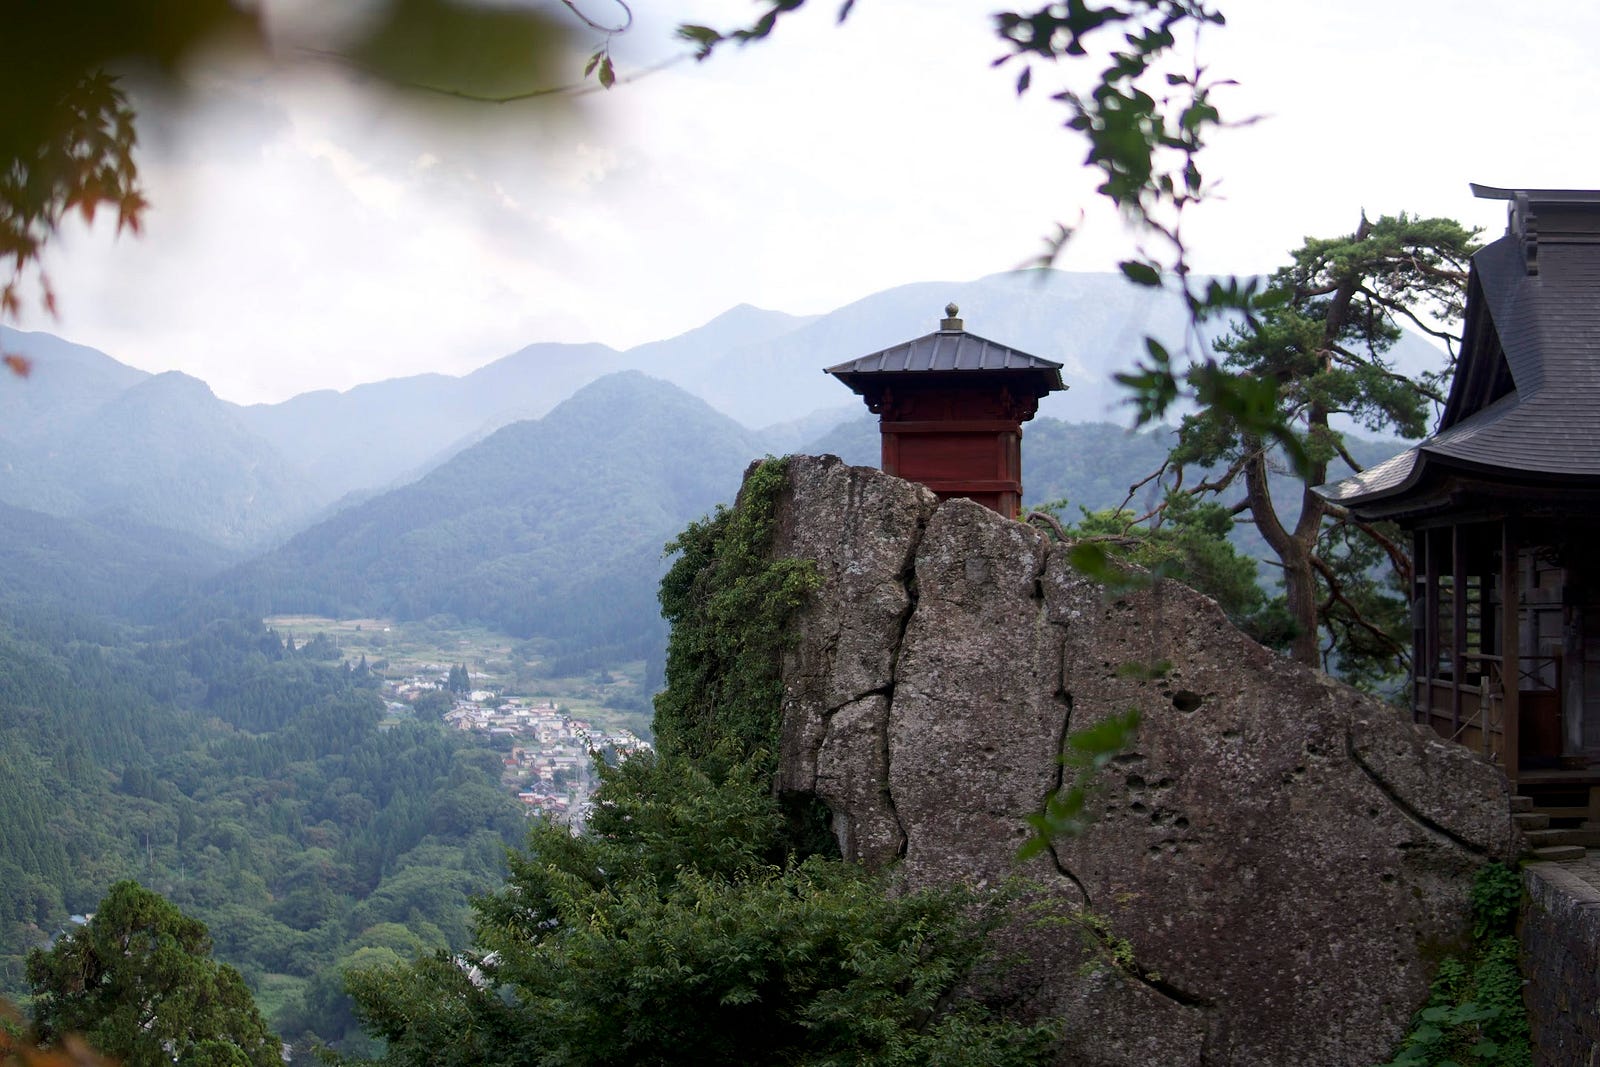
(103,566)
(549,528)
(251,784)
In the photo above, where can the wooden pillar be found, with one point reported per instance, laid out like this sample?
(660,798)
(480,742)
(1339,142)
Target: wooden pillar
(1430,621)
(1419,627)
(1572,663)
(1483,558)
(1458,627)
(1510,651)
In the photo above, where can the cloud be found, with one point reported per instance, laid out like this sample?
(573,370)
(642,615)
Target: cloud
(310,234)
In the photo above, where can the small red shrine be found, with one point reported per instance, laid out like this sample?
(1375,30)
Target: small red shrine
(950,407)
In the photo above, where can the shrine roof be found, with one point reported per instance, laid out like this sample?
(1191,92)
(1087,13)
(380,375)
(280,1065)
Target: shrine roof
(1525,400)
(949,350)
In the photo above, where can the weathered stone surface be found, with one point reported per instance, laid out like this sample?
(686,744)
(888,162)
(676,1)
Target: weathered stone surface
(1561,958)
(861,532)
(852,767)
(1278,859)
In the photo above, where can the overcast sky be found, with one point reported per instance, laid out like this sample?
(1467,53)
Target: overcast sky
(308,234)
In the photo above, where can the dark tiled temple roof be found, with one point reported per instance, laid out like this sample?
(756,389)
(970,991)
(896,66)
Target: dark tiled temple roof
(1525,402)
(950,350)
(947,350)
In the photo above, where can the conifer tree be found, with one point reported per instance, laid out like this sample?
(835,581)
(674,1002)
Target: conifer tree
(139,984)
(1318,347)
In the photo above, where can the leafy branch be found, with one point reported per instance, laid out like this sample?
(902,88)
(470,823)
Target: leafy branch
(1088,752)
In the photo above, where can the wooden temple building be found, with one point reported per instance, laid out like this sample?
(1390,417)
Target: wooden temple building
(950,409)
(1503,507)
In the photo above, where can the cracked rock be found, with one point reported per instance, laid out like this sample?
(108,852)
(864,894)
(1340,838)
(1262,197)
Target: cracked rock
(1280,857)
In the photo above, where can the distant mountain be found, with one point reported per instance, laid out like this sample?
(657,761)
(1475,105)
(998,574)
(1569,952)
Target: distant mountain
(690,358)
(552,527)
(93,568)
(66,385)
(164,452)
(373,435)
(387,433)
(1094,324)
(87,437)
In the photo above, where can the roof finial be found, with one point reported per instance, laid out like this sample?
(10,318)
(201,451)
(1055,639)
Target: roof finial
(950,322)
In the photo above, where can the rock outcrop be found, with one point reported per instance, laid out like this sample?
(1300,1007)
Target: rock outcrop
(1270,872)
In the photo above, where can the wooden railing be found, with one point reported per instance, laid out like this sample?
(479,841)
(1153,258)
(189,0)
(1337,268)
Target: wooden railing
(1473,713)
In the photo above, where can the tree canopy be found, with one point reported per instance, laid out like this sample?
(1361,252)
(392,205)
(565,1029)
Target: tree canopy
(675,930)
(1319,345)
(138,983)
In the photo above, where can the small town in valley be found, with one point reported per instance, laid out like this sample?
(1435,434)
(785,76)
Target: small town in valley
(547,754)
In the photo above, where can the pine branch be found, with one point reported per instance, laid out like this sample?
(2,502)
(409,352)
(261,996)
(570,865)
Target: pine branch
(1336,596)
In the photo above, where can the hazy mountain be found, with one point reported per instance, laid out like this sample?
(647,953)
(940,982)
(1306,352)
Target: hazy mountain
(95,566)
(388,432)
(372,435)
(1090,322)
(1094,324)
(168,453)
(67,384)
(547,527)
(689,358)
(86,435)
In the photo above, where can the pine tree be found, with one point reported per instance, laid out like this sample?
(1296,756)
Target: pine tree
(139,984)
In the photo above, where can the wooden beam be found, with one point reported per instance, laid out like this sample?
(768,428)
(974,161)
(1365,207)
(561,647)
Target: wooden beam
(1458,626)
(1430,610)
(1510,652)
(1419,630)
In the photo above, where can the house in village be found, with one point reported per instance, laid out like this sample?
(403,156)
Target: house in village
(1503,507)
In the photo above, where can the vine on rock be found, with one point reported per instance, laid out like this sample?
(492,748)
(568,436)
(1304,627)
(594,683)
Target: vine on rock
(729,604)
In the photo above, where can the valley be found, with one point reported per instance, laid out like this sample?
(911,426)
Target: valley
(308,670)
(544,727)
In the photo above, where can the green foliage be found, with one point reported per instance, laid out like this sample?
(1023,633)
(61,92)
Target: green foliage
(667,934)
(729,604)
(248,782)
(1496,900)
(1475,1013)
(1088,752)
(138,983)
(1190,545)
(1317,350)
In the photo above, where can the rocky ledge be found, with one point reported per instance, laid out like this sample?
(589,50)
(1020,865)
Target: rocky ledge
(1271,871)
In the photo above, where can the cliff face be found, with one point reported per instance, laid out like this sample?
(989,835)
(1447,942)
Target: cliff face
(1270,872)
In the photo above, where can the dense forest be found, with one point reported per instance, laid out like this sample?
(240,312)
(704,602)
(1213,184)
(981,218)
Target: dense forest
(251,783)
